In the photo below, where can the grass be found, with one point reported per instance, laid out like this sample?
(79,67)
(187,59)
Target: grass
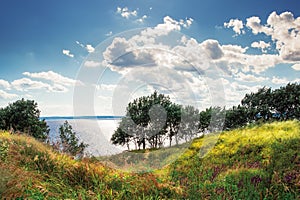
(255,162)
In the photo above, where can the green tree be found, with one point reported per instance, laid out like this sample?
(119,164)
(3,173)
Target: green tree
(190,123)
(258,104)
(69,142)
(235,117)
(286,101)
(24,116)
(148,120)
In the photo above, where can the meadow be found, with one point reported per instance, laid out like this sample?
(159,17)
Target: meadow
(254,162)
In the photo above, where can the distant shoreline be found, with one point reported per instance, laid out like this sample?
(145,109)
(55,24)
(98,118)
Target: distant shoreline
(81,117)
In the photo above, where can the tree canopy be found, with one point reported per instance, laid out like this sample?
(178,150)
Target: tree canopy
(24,116)
(154,119)
(151,120)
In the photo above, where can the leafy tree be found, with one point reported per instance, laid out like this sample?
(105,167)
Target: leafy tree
(235,117)
(258,104)
(24,116)
(69,142)
(173,122)
(148,119)
(190,123)
(286,101)
(211,119)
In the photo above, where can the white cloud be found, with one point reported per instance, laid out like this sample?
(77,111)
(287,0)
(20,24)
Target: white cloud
(169,24)
(126,13)
(235,58)
(279,81)
(25,84)
(296,67)
(89,48)
(107,87)
(5,95)
(213,49)
(142,19)
(53,77)
(249,78)
(67,53)
(5,84)
(283,30)
(254,24)
(236,25)
(261,45)
(186,23)
(91,63)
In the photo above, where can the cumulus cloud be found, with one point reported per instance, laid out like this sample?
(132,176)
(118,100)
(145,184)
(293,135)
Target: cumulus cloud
(236,25)
(279,81)
(261,45)
(67,53)
(53,77)
(169,24)
(296,67)
(283,29)
(5,95)
(213,48)
(91,63)
(4,84)
(126,13)
(249,78)
(26,84)
(236,58)
(89,48)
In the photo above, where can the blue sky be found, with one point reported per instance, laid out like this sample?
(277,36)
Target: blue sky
(48,46)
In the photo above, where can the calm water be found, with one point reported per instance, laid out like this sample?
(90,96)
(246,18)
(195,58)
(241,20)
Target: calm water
(95,132)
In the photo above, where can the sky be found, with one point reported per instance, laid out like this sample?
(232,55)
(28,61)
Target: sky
(93,57)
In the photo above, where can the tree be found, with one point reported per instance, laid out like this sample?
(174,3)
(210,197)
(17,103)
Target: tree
(190,123)
(148,119)
(258,104)
(69,142)
(286,101)
(235,117)
(24,116)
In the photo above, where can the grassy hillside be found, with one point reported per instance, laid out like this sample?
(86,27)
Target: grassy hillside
(256,162)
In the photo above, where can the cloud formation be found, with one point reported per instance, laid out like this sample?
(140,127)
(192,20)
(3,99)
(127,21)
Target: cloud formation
(283,29)
(67,53)
(126,13)
(51,76)
(296,67)
(261,45)
(5,95)
(4,84)
(236,25)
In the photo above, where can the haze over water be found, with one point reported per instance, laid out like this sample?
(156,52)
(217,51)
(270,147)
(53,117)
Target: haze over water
(94,131)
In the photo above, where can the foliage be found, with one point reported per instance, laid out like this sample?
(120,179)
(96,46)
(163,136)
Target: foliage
(148,119)
(69,142)
(280,104)
(23,116)
(153,120)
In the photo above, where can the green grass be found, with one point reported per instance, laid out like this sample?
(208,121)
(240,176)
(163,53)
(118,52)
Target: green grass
(256,162)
